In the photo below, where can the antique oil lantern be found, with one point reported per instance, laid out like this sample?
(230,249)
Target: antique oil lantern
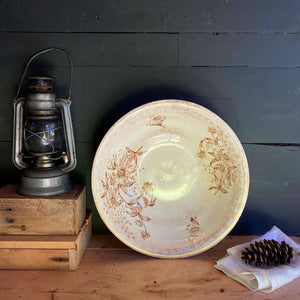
(43,139)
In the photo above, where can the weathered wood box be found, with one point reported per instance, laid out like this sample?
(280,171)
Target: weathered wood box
(55,215)
(58,252)
(43,232)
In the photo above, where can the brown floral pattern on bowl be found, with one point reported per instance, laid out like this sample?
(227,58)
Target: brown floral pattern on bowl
(218,162)
(119,187)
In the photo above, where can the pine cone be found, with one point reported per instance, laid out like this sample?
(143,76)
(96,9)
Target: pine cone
(268,252)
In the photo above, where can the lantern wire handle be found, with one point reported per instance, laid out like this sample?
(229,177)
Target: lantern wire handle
(42,52)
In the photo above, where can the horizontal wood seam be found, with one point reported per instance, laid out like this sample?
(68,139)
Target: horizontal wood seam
(275,144)
(156,32)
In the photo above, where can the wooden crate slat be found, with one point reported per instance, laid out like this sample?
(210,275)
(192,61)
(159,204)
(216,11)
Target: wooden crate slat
(37,242)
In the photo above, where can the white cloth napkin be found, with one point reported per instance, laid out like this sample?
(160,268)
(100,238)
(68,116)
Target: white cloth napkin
(263,278)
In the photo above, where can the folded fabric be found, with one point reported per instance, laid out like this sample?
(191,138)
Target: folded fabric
(263,278)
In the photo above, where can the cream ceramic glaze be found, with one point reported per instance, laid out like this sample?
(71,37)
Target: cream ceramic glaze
(170,179)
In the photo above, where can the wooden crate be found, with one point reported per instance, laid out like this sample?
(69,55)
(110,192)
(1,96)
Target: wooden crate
(55,215)
(45,252)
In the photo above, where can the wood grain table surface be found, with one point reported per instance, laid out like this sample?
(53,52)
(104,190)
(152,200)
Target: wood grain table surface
(111,270)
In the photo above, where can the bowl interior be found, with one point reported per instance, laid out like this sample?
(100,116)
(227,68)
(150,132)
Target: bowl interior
(170,179)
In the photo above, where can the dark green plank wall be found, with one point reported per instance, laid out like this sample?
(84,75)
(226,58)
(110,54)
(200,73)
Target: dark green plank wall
(238,58)
(151,16)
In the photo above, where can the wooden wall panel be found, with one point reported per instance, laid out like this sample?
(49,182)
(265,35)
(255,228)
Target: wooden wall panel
(260,104)
(92,49)
(150,16)
(236,49)
(274,189)
(237,58)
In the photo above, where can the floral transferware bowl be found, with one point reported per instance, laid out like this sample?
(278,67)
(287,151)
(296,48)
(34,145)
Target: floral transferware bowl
(170,179)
